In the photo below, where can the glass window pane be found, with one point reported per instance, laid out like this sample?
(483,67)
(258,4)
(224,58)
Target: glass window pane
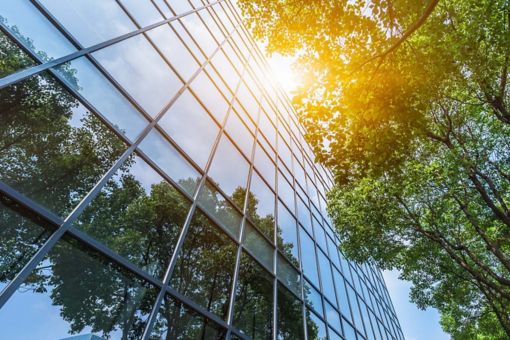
(29,25)
(353,299)
(290,315)
(258,246)
(141,71)
(198,31)
(333,252)
(21,235)
(86,79)
(240,133)
(191,127)
(247,101)
(261,202)
(303,215)
(205,266)
(288,275)
(210,96)
(62,297)
(170,161)
(342,294)
(143,11)
(326,277)
(333,317)
(210,22)
(174,50)
(225,69)
(267,129)
(213,74)
(215,204)
(315,327)
(53,150)
(138,215)
(313,298)
(253,308)
(348,330)
(265,165)
(320,235)
(176,321)
(91,21)
(284,153)
(232,179)
(309,261)
(163,7)
(180,6)
(287,234)
(13,58)
(333,335)
(286,192)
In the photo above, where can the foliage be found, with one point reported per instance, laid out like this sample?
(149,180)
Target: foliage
(407,102)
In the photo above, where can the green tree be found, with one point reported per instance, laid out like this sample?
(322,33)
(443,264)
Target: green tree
(407,103)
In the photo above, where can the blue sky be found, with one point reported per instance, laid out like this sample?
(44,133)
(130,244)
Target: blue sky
(416,323)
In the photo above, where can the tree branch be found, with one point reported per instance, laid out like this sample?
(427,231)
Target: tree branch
(410,30)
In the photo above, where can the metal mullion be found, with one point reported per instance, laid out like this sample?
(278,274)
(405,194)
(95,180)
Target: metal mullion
(163,174)
(191,36)
(230,314)
(51,18)
(189,216)
(193,305)
(276,201)
(152,43)
(52,240)
(112,255)
(205,25)
(30,205)
(234,45)
(177,147)
(225,196)
(279,281)
(219,74)
(271,272)
(211,9)
(78,234)
(298,234)
(215,17)
(23,74)
(236,18)
(177,33)
(226,14)
(296,268)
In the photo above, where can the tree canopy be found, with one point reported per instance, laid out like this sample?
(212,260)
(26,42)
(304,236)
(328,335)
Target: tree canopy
(407,102)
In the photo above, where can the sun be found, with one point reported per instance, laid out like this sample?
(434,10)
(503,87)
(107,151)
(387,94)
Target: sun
(283,73)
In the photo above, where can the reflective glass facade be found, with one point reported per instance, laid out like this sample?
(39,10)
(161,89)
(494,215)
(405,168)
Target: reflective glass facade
(155,184)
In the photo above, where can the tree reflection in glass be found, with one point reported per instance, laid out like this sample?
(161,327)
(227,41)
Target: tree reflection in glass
(75,290)
(290,315)
(260,207)
(138,215)
(215,204)
(286,236)
(177,322)
(52,149)
(253,308)
(12,58)
(205,266)
(21,235)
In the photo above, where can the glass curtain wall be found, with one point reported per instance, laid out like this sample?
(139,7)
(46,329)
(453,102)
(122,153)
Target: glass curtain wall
(155,184)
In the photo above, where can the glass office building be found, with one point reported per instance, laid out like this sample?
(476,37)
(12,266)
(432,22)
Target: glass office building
(155,184)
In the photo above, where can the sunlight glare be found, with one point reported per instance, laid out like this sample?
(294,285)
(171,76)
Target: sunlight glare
(283,72)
